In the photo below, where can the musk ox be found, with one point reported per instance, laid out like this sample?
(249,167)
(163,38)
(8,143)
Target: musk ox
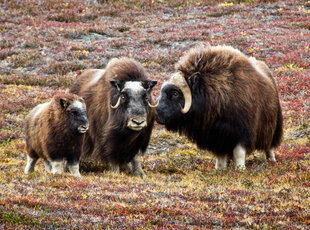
(120,112)
(54,131)
(223,101)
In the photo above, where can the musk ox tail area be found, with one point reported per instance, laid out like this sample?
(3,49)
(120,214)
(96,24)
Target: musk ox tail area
(277,136)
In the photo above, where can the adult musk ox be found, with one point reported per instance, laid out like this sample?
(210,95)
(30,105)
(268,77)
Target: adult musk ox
(54,131)
(223,101)
(121,117)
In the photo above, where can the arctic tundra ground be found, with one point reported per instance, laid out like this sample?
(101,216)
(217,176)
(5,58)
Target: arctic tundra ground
(45,45)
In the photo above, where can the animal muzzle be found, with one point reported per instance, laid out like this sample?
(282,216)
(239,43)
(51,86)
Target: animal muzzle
(83,128)
(137,123)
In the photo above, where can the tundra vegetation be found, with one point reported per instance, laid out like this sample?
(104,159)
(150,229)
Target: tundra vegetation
(44,45)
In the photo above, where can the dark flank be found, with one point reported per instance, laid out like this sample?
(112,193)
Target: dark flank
(54,131)
(223,101)
(120,112)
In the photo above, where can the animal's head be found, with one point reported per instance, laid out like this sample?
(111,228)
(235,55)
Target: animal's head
(175,99)
(74,110)
(131,102)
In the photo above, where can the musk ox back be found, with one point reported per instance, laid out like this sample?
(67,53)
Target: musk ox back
(120,113)
(54,132)
(225,102)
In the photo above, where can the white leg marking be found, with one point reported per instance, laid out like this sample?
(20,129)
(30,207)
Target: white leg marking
(30,164)
(57,167)
(137,167)
(271,156)
(48,166)
(221,162)
(239,153)
(74,170)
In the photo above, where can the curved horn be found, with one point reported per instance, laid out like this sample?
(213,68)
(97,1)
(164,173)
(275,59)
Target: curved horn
(179,80)
(153,106)
(117,103)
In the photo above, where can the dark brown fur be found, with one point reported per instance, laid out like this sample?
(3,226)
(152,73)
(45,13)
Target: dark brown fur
(233,102)
(47,134)
(108,139)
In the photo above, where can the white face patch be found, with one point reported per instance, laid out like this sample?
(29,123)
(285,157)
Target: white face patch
(39,108)
(77,104)
(96,77)
(134,86)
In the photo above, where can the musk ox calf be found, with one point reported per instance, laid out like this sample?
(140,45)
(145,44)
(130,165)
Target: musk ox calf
(54,131)
(121,117)
(223,101)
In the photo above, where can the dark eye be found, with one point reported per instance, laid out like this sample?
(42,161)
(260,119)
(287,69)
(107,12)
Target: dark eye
(74,112)
(123,97)
(175,94)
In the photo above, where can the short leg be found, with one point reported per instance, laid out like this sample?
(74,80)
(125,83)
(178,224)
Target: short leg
(239,153)
(126,167)
(114,167)
(74,169)
(30,164)
(57,167)
(221,162)
(271,156)
(66,169)
(72,164)
(137,167)
(48,165)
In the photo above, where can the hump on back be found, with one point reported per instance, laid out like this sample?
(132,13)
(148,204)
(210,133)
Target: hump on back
(223,101)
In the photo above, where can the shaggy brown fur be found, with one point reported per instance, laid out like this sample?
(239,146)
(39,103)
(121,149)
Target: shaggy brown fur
(52,132)
(108,138)
(235,101)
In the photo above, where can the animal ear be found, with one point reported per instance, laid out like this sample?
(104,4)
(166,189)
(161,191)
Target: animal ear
(193,80)
(63,103)
(149,84)
(116,84)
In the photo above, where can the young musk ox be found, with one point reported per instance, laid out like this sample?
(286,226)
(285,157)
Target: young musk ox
(223,101)
(120,112)
(54,131)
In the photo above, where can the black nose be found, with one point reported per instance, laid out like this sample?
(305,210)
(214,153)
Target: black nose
(138,122)
(83,128)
